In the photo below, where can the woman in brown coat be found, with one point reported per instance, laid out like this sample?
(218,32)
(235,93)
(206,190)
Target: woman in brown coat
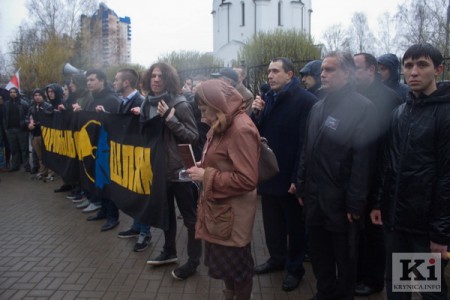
(228,173)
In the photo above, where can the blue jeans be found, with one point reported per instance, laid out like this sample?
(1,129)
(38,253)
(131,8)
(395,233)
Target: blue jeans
(142,228)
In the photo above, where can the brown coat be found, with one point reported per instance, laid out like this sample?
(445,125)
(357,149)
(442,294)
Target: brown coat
(228,200)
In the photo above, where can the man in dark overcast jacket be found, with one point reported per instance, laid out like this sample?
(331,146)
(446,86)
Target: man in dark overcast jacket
(281,118)
(334,177)
(371,258)
(414,198)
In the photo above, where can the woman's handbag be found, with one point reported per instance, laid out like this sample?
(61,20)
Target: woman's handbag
(268,164)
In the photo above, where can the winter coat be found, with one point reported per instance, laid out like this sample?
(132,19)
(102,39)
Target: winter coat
(105,97)
(35,112)
(415,191)
(385,101)
(23,110)
(392,63)
(180,129)
(284,128)
(228,201)
(334,176)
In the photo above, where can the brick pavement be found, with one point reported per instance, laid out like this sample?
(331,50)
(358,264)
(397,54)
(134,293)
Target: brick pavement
(49,251)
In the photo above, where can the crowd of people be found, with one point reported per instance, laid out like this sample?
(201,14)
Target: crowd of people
(364,165)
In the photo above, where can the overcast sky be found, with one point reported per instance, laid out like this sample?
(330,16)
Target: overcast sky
(159,27)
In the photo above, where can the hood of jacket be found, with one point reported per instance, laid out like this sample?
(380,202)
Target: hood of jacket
(58,93)
(80,82)
(313,69)
(393,64)
(221,96)
(441,95)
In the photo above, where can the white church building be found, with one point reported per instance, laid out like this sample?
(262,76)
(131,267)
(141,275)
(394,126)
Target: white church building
(236,21)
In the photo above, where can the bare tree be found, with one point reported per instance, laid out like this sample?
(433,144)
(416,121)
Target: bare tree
(335,37)
(386,34)
(362,38)
(47,39)
(40,60)
(3,68)
(422,21)
(59,17)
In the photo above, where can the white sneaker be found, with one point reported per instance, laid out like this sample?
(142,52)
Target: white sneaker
(39,176)
(83,204)
(49,178)
(91,207)
(79,200)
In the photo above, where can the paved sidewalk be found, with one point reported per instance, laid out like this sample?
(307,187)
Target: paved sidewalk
(49,251)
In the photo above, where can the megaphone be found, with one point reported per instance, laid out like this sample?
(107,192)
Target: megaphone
(69,70)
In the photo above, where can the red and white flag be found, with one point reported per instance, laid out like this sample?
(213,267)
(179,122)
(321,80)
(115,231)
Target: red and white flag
(14,81)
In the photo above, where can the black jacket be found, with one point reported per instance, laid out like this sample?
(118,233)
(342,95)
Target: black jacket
(284,129)
(415,191)
(23,110)
(334,176)
(180,129)
(135,101)
(35,112)
(385,101)
(105,97)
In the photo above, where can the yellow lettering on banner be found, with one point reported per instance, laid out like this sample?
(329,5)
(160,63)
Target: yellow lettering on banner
(59,141)
(146,170)
(114,162)
(130,167)
(128,162)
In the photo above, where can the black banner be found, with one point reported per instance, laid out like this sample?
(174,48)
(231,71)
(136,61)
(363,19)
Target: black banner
(112,156)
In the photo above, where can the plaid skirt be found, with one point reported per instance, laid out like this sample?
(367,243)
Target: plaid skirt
(229,263)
